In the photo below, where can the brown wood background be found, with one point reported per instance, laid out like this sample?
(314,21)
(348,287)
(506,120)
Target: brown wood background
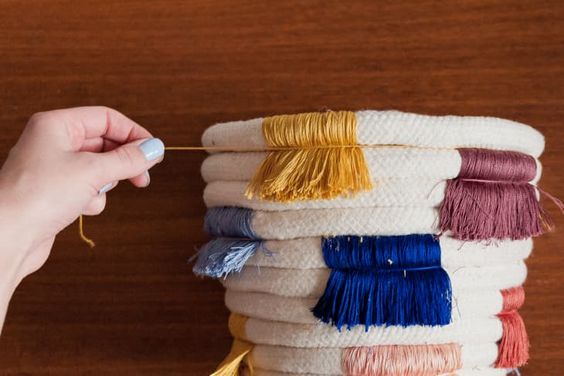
(131,306)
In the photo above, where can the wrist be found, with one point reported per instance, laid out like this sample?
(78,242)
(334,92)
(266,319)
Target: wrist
(15,239)
(12,255)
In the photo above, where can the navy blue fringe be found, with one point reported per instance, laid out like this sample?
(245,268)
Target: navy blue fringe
(222,256)
(391,252)
(384,280)
(229,222)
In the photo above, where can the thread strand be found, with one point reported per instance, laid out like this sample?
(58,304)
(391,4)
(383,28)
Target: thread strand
(84,238)
(289,148)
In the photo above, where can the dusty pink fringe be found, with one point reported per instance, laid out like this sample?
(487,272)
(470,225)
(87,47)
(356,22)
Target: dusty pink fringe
(474,210)
(402,360)
(492,199)
(513,349)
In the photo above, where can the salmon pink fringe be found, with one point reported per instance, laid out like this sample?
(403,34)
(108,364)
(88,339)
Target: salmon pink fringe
(513,349)
(402,360)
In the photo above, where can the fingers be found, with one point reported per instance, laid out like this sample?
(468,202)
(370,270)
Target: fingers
(107,187)
(98,145)
(128,161)
(96,205)
(141,181)
(84,123)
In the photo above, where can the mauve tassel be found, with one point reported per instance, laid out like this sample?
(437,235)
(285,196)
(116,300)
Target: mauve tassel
(474,210)
(492,198)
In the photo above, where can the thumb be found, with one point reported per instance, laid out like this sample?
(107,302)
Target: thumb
(129,160)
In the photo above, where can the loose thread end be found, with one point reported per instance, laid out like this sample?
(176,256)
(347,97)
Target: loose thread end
(84,238)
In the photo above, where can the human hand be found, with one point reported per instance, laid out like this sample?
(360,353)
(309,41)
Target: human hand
(61,167)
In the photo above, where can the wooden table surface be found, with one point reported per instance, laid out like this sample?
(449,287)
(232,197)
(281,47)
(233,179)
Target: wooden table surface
(131,306)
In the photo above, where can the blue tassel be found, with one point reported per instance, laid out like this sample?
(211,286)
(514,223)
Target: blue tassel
(221,256)
(385,280)
(229,222)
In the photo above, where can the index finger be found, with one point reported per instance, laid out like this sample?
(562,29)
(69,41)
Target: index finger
(99,122)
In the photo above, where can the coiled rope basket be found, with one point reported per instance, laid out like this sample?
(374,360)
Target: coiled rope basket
(375,243)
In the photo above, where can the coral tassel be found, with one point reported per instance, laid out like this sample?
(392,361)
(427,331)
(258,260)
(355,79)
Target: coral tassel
(310,172)
(514,345)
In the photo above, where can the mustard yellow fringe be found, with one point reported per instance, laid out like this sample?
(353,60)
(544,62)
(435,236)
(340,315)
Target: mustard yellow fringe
(237,325)
(308,172)
(240,350)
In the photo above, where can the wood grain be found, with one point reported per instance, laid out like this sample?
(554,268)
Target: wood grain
(131,306)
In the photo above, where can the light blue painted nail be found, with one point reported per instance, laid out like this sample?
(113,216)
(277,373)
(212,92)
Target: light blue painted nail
(105,188)
(152,149)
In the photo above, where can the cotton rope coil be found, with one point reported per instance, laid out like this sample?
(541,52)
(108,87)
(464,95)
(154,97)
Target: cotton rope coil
(306,253)
(383,163)
(391,192)
(401,128)
(329,361)
(292,224)
(266,332)
(465,304)
(324,222)
(388,192)
(311,282)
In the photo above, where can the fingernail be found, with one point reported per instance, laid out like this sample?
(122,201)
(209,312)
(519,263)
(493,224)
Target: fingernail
(105,188)
(147,179)
(152,149)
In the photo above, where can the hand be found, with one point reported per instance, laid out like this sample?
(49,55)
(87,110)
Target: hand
(60,168)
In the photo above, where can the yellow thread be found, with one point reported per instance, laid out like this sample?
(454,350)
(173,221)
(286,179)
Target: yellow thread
(324,162)
(84,238)
(240,350)
(242,149)
(297,147)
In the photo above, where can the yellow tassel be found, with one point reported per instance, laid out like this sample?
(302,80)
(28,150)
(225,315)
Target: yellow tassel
(310,172)
(237,325)
(240,350)
(232,363)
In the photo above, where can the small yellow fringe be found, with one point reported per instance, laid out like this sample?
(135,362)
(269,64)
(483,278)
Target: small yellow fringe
(237,325)
(232,363)
(239,350)
(308,172)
